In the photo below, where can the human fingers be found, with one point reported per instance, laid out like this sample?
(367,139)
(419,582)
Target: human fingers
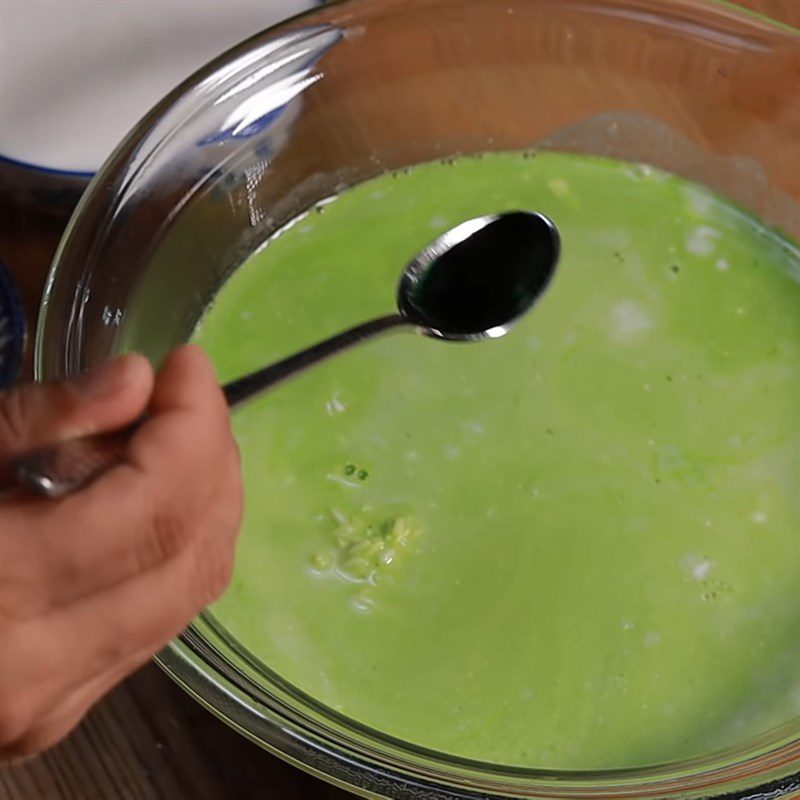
(137,515)
(103,398)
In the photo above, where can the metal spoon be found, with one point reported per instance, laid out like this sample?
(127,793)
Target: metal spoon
(471,283)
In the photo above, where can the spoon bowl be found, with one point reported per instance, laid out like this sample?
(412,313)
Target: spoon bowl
(476,280)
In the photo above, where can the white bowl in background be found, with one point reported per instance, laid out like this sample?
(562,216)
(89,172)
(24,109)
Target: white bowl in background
(76,75)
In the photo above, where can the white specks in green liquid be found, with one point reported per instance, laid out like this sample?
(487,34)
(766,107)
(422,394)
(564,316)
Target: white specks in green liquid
(695,566)
(628,319)
(702,240)
(335,405)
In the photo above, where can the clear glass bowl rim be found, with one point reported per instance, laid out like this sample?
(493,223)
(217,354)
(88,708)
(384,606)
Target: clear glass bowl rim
(376,765)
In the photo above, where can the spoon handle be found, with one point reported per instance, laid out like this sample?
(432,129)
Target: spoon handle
(236,392)
(67,466)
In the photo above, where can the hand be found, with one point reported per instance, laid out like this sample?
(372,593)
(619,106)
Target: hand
(93,584)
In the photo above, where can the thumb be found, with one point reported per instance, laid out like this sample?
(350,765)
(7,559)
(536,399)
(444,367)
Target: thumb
(104,398)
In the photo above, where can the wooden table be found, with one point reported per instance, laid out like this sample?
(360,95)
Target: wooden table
(148,740)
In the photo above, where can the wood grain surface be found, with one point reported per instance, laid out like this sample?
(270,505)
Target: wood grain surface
(147,740)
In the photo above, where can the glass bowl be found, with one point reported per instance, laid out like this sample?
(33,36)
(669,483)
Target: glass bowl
(700,88)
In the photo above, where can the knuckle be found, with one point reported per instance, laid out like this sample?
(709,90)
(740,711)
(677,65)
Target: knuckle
(27,411)
(213,573)
(169,532)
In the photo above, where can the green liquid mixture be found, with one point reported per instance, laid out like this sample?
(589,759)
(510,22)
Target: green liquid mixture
(574,547)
